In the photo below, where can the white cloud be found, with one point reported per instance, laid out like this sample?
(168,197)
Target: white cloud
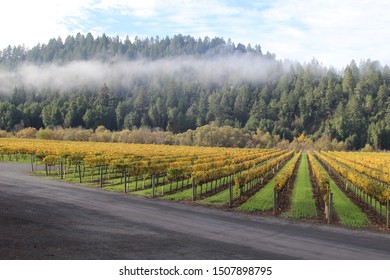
(142,9)
(335,32)
(29,22)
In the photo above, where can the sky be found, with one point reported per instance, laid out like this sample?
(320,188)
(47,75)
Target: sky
(332,31)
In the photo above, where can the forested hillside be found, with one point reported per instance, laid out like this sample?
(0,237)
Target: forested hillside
(182,83)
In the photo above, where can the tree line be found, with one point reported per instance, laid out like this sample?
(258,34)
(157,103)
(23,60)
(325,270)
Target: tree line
(106,48)
(350,106)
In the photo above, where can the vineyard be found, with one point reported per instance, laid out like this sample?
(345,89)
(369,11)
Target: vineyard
(347,188)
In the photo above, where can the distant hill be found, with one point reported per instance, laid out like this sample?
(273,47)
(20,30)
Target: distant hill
(180,83)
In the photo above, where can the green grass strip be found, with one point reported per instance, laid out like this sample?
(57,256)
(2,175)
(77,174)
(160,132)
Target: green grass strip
(219,199)
(349,213)
(263,200)
(303,204)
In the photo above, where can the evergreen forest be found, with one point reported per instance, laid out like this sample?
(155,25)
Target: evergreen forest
(182,83)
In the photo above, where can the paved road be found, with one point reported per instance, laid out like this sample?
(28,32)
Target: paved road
(44,219)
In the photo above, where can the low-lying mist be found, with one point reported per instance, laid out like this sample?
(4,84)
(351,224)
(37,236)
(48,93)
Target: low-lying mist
(218,70)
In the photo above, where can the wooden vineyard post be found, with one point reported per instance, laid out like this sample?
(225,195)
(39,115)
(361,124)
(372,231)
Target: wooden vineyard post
(327,205)
(193,190)
(101,176)
(388,214)
(153,186)
(275,201)
(32,163)
(62,169)
(79,168)
(330,208)
(125,173)
(231,194)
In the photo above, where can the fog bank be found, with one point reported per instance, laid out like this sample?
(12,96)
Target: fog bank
(218,70)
